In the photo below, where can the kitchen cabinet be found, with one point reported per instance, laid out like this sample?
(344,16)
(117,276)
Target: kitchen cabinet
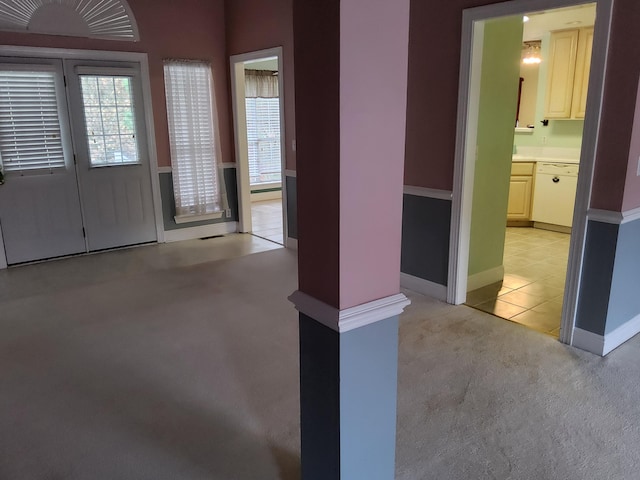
(568,73)
(520,191)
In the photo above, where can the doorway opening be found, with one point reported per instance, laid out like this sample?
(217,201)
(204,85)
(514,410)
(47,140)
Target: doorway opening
(526,128)
(259,136)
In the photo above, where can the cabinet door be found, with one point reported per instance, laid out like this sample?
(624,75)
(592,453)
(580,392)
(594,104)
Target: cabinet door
(520,190)
(583,65)
(561,74)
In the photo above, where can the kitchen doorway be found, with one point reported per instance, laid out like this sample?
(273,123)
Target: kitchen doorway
(485,159)
(258,108)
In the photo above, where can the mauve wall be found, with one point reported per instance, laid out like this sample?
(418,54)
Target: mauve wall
(632,187)
(193,29)
(258,24)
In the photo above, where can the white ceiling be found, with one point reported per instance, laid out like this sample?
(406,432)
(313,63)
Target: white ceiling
(559,19)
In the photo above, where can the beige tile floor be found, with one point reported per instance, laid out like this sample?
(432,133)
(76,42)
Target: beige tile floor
(266,220)
(535,263)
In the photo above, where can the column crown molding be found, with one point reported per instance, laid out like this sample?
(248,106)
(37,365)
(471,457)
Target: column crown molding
(350,318)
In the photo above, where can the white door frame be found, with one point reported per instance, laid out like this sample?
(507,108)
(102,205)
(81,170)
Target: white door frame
(240,135)
(467,125)
(142,59)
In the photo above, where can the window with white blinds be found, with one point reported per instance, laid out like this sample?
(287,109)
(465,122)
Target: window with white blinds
(263,138)
(30,136)
(192,136)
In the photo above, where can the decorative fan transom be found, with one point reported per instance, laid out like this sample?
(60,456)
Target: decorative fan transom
(107,19)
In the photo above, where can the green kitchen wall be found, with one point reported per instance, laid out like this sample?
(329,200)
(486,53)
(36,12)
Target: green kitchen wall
(559,133)
(496,119)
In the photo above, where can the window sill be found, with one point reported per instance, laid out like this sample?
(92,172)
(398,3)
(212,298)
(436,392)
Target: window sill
(197,218)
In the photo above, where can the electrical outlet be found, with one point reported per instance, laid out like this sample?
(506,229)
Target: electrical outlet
(544,140)
(227,213)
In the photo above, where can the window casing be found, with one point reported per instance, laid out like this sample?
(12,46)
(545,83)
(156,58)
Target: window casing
(193,140)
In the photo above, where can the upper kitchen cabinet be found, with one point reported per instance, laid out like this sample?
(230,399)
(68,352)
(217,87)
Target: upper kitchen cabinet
(568,74)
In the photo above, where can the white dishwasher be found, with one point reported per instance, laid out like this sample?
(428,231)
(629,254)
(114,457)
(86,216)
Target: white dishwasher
(554,193)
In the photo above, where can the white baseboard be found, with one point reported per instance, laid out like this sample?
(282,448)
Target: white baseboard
(292,243)
(261,196)
(604,344)
(200,232)
(424,287)
(485,278)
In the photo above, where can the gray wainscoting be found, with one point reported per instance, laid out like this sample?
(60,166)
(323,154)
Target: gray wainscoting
(426,224)
(609,292)
(169,204)
(292,207)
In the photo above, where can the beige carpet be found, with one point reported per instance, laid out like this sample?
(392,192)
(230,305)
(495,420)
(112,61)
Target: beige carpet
(146,364)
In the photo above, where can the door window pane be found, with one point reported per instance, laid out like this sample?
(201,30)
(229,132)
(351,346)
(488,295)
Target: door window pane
(109,119)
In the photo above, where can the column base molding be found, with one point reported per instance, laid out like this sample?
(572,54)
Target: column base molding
(350,318)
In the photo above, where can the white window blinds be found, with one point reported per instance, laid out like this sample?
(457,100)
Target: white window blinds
(263,138)
(30,136)
(192,136)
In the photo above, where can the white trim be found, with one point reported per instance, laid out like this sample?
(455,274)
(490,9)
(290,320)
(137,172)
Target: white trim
(605,216)
(591,342)
(290,173)
(428,192)
(604,344)
(292,243)
(614,218)
(350,318)
(202,231)
(467,123)
(68,53)
(165,170)
(621,334)
(3,254)
(423,287)
(487,277)
(180,219)
(152,146)
(229,165)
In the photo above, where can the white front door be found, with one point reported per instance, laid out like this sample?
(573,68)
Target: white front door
(40,212)
(54,202)
(111,152)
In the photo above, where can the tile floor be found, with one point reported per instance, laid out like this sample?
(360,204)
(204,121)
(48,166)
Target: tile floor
(535,263)
(266,219)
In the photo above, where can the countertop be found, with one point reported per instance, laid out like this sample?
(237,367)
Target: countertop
(528,158)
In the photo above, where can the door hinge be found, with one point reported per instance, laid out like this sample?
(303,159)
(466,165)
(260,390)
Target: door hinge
(84,233)
(75,161)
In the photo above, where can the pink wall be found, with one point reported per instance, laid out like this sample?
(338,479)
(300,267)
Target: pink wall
(191,29)
(318,139)
(374,38)
(256,25)
(612,159)
(632,185)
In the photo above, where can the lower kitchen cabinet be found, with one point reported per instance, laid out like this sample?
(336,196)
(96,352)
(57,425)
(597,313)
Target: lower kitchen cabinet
(520,192)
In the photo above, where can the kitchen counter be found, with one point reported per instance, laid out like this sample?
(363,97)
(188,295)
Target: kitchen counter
(527,158)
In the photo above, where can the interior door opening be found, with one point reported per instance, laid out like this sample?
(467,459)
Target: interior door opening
(524,158)
(259,128)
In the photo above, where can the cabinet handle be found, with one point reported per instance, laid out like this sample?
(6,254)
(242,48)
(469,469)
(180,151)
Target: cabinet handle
(556,179)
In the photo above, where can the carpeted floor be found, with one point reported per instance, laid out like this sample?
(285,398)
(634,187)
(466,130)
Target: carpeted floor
(150,364)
